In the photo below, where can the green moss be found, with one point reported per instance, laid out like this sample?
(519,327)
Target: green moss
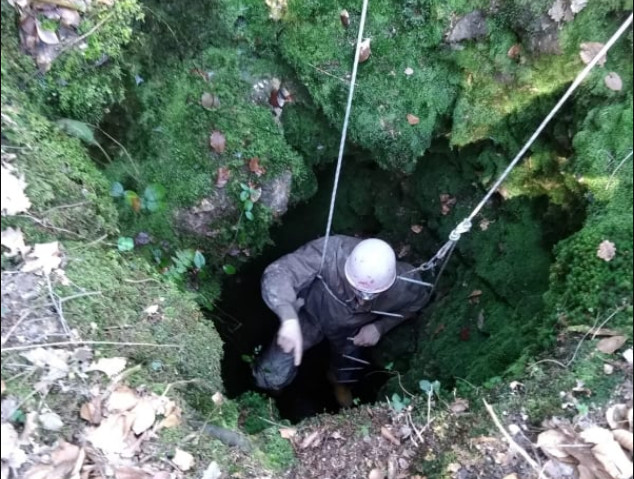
(127,287)
(276,453)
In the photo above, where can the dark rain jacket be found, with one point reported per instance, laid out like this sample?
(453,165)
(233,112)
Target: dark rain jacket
(328,308)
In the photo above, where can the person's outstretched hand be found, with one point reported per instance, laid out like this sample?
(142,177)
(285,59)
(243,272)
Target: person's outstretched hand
(289,338)
(368,335)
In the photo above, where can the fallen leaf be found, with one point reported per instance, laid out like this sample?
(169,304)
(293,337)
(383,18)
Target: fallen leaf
(559,470)
(149,310)
(511,476)
(10,449)
(51,421)
(65,461)
(3,387)
(551,442)
(416,228)
(412,119)
(585,329)
(13,239)
(218,398)
(256,194)
(364,50)
(91,411)
(446,203)
(459,405)
(109,366)
(213,471)
(144,416)
(69,17)
(514,52)
(408,71)
(128,472)
(173,419)
(55,361)
(122,399)
(209,101)
(217,141)
(608,452)
(611,344)
(376,474)
(344,16)
(45,257)
(309,440)
(385,432)
(162,475)
(110,436)
(183,460)
(616,416)
(589,50)
(627,355)
(46,36)
(606,250)
(288,432)
(514,429)
(454,467)
(255,167)
(608,369)
(474,296)
(624,438)
(222,177)
(480,321)
(484,224)
(613,81)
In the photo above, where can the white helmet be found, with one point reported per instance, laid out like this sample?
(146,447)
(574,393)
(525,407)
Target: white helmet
(371,267)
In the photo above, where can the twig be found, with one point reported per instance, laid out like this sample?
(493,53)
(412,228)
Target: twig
(95,343)
(63,207)
(429,394)
(114,140)
(178,383)
(511,441)
(574,355)
(272,423)
(616,311)
(140,281)
(118,378)
(64,4)
(347,82)
(554,361)
(43,224)
(418,433)
(81,38)
(607,185)
(57,305)
(80,295)
(15,326)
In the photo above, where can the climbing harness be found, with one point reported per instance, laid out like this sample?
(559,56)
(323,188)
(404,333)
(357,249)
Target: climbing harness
(441,258)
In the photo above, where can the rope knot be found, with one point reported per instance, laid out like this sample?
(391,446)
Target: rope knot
(463,227)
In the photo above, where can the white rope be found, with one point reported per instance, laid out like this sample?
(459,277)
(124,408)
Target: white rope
(344,132)
(580,77)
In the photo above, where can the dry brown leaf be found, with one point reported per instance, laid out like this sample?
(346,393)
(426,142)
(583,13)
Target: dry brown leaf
(131,473)
(613,81)
(608,369)
(223,177)
(474,296)
(51,421)
(606,250)
(309,440)
(616,416)
(209,101)
(69,17)
(110,436)
(66,461)
(514,52)
(416,228)
(255,167)
(551,442)
(122,399)
(511,476)
(484,224)
(459,405)
(446,203)
(45,257)
(91,411)
(14,199)
(256,193)
(288,432)
(13,239)
(584,472)
(213,471)
(109,366)
(364,50)
(412,119)
(608,452)
(589,50)
(218,398)
(162,475)
(611,344)
(376,474)
(10,450)
(344,16)
(217,141)
(144,416)
(385,432)
(183,460)
(173,419)
(624,438)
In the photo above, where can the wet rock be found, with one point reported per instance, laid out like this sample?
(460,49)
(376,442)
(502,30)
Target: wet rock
(471,26)
(200,219)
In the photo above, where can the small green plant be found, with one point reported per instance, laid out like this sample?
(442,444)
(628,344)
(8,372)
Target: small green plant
(247,197)
(185,260)
(250,358)
(399,403)
(428,387)
(125,243)
(152,200)
(229,269)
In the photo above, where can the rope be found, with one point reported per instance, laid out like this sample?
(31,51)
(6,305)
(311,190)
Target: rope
(344,132)
(444,253)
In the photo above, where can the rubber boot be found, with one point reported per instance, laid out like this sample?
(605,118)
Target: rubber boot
(342,392)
